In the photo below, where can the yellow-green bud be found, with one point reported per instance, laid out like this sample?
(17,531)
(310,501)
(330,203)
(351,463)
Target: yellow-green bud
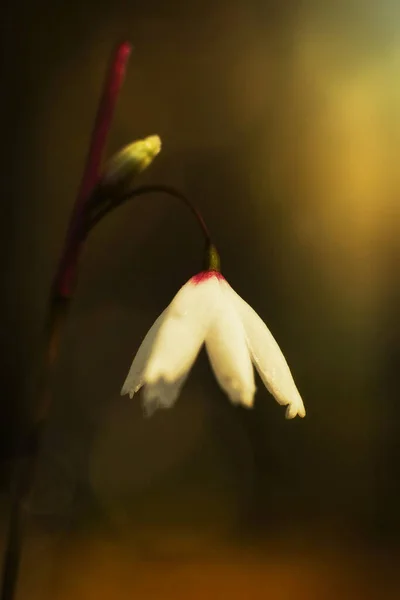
(134,158)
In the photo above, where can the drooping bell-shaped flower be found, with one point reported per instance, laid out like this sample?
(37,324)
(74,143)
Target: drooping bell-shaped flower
(206,310)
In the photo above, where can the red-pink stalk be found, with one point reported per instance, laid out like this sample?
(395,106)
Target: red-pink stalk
(64,281)
(60,300)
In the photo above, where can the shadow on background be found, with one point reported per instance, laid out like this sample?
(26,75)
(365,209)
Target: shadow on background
(283,126)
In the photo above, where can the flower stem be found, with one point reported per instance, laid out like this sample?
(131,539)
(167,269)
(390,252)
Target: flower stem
(65,279)
(59,302)
(212,261)
(139,191)
(211,257)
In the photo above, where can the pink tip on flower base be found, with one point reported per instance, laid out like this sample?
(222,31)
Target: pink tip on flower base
(205,276)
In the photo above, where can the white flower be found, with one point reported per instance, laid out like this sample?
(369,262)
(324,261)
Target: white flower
(206,310)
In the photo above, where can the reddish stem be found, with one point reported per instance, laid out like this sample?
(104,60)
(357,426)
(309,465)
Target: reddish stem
(63,286)
(64,281)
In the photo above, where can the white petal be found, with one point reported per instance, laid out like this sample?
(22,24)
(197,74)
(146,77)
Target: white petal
(227,349)
(268,358)
(179,339)
(162,394)
(134,380)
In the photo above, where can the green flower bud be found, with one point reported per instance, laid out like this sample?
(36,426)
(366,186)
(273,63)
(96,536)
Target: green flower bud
(134,158)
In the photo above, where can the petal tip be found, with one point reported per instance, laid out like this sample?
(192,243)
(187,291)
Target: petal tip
(293,411)
(301,411)
(247,400)
(130,391)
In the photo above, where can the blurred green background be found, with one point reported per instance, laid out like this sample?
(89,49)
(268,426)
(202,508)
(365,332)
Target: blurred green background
(281,121)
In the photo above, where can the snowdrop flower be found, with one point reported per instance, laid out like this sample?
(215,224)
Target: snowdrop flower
(206,310)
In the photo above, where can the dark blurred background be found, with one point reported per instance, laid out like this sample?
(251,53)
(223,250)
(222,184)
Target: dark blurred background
(281,121)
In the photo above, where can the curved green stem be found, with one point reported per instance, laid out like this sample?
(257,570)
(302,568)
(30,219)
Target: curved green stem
(105,209)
